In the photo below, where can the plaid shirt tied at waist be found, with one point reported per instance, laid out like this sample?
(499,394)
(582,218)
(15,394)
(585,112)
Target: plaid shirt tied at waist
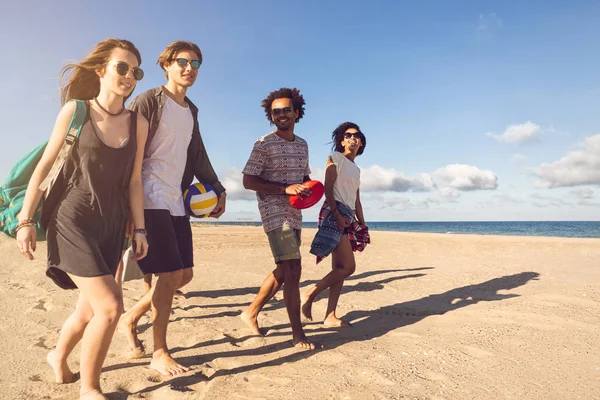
(329,234)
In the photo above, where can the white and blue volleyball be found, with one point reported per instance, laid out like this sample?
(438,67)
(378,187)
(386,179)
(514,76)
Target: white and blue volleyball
(200,200)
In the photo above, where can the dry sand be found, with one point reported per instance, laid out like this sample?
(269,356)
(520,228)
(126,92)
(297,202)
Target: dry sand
(435,317)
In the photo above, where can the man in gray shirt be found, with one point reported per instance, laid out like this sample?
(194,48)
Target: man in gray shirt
(174,155)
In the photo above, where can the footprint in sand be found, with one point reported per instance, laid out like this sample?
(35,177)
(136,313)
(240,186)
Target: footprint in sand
(208,370)
(17,286)
(330,358)
(155,378)
(42,340)
(254,342)
(226,363)
(43,304)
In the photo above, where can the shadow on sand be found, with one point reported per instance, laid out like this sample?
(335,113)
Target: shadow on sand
(275,304)
(370,324)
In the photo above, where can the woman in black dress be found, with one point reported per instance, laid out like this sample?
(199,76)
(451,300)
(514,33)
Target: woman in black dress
(101,182)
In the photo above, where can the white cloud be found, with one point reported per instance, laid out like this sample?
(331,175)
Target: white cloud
(506,198)
(465,177)
(390,202)
(520,133)
(234,186)
(380,201)
(582,193)
(378,179)
(548,201)
(580,167)
(425,202)
(449,194)
(585,202)
(455,176)
(518,158)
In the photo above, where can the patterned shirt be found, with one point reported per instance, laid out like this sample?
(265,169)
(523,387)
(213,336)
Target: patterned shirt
(276,160)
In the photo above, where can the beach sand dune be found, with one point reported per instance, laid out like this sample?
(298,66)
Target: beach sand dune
(435,317)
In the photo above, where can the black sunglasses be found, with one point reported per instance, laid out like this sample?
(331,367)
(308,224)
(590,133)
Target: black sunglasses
(183,63)
(123,69)
(284,110)
(348,135)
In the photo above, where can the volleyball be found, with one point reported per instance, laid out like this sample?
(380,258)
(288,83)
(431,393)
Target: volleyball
(200,200)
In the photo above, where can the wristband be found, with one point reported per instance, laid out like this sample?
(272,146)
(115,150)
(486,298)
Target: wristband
(140,230)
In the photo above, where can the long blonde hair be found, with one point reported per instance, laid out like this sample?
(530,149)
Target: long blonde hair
(79,79)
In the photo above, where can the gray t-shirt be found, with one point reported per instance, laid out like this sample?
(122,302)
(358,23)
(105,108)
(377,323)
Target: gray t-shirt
(277,160)
(162,170)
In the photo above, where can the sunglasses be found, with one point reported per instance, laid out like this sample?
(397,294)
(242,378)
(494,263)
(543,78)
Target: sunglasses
(123,69)
(284,110)
(183,63)
(348,135)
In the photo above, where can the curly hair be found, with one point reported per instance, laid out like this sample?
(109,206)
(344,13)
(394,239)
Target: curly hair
(284,93)
(338,136)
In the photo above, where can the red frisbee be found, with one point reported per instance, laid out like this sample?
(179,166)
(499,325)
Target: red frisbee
(317,191)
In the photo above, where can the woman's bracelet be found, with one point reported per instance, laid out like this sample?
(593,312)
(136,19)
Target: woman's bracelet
(140,230)
(26,221)
(23,224)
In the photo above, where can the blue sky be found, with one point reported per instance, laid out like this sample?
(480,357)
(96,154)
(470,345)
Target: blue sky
(473,110)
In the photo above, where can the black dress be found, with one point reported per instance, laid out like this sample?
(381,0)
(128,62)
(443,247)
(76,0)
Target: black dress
(86,229)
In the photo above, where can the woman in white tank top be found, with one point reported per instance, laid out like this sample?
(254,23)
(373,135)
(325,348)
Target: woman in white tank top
(342,182)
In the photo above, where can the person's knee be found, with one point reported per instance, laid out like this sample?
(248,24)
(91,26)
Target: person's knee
(188,275)
(279,274)
(170,279)
(350,269)
(293,270)
(111,309)
(164,290)
(347,268)
(84,314)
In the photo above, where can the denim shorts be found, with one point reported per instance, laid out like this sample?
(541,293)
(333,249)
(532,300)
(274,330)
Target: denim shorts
(285,243)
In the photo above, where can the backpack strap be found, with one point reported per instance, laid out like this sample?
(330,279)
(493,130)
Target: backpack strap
(71,136)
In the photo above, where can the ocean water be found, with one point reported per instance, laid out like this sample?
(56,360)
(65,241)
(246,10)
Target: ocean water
(571,229)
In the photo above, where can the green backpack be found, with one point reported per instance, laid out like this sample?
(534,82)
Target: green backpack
(12,191)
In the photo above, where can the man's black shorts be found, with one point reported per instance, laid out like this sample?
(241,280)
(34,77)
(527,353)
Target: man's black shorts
(170,243)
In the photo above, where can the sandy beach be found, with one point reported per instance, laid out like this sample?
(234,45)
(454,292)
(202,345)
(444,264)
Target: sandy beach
(434,317)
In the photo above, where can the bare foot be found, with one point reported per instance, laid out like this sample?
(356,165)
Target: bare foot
(130,331)
(306,304)
(93,394)
(302,343)
(336,323)
(61,370)
(252,323)
(164,363)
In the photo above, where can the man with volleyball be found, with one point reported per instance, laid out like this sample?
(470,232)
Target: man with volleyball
(174,155)
(276,169)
